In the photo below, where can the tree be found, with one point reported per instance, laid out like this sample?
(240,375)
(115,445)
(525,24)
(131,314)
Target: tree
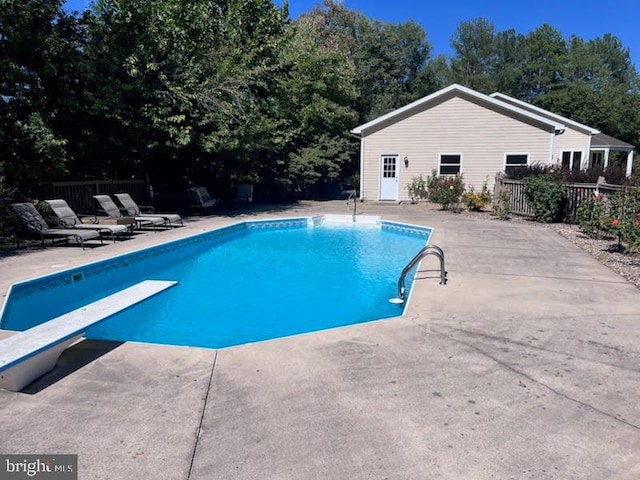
(38,78)
(188,85)
(474,58)
(319,95)
(544,55)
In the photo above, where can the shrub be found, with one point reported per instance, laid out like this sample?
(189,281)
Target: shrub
(476,201)
(501,204)
(546,195)
(624,218)
(592,215)
(533,170)
(417,189)
(445,190)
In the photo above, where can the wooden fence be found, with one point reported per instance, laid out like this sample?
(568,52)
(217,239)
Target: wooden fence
(576,193)
(79,195)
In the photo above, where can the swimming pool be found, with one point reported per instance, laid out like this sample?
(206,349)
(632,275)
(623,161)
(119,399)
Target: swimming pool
(244,283)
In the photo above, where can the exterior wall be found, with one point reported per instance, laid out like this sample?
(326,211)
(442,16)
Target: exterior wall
(479,134)
(572,140)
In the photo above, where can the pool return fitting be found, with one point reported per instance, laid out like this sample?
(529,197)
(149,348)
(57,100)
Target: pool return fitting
(428,250)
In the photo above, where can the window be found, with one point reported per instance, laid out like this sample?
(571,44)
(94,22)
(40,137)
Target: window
(597,160)
(450,164)
(389,167)
(515,160)
(571,160)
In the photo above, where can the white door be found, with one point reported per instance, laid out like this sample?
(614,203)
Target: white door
(389,177)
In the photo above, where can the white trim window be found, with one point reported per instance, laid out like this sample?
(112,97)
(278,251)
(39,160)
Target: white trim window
(571,159)
(450,164)
(515,160)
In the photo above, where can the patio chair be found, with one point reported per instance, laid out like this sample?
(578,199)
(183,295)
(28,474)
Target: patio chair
(244,193)
(129,207)
(109,208)
(34,225)
(200,200)
(67,218)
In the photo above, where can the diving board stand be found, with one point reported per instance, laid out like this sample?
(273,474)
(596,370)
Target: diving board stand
(28,355)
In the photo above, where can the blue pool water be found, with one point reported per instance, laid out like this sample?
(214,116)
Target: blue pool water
(250,282)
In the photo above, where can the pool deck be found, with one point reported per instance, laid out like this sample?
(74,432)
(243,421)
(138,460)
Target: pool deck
(526,365)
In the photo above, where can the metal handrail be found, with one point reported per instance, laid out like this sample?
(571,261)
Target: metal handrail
(428,250)
(352,196)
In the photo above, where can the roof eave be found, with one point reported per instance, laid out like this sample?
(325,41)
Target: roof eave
(573,123)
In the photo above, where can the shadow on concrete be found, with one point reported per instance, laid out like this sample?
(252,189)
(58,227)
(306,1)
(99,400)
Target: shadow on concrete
(71,360)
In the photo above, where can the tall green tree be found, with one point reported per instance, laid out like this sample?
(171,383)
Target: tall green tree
(545,53)
(188,83)
(39,49)
(475,59)
(319,96)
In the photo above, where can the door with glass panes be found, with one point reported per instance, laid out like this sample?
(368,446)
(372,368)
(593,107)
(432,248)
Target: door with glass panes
(389,177)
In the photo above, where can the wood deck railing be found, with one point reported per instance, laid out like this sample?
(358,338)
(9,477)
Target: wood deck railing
(576,193)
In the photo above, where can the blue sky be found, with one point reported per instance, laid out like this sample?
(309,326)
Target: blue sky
(585,18)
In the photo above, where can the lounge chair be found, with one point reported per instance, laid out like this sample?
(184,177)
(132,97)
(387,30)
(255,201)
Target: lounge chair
(129,207)
(34,225)
(67,218)
(109,208)
(200,200)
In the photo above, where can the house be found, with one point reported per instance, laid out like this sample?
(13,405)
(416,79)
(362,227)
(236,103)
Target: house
(458,130)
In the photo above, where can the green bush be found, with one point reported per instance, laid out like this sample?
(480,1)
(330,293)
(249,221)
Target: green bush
(592,215)
(476,201)
(624,218)
(445,190)
(546,195)
(417,189)
(502,204)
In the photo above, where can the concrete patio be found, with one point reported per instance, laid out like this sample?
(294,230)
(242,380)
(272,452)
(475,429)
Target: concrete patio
(526,365)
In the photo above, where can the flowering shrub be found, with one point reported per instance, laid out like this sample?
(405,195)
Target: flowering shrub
(445,190)
(624,219)
(417,189)
(619,215)
(592,215)
(546,195)
(476,201)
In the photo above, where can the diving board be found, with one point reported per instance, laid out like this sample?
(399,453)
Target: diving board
(28,355)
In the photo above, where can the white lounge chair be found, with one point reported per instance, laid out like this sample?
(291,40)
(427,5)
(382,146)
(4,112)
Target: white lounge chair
(34,225)
(67,218)
(130,207)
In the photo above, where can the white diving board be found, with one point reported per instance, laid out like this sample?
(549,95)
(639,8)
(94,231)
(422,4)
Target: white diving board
(28,355)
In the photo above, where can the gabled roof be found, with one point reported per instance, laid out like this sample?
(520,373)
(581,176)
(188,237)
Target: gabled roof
(544,113)
(459,90)
(607,141)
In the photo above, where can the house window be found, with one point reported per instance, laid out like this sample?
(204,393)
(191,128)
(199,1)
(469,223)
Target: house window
(597,160)
(515,160)
(571,160)
(450,164)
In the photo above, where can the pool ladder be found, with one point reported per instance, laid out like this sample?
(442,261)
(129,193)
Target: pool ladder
(352,196)
(428,250)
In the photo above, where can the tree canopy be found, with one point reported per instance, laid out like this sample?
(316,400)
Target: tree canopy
(223,92)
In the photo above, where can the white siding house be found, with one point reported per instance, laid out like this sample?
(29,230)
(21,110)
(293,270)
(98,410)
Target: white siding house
(459,130)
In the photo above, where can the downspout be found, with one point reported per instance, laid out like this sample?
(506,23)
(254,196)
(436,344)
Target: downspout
(361,164)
